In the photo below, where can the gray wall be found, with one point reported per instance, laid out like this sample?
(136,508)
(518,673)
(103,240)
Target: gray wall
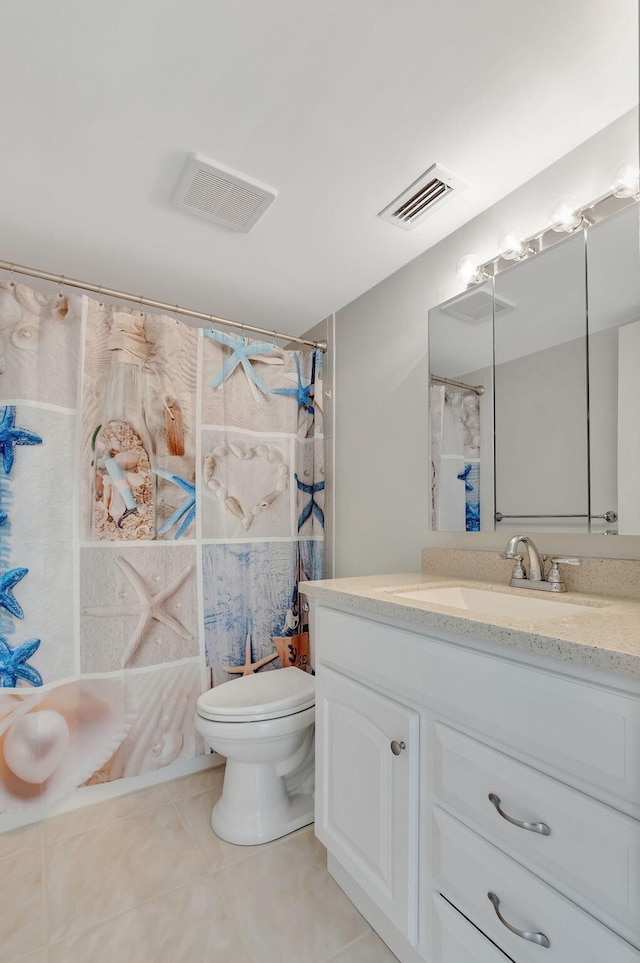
(381,457)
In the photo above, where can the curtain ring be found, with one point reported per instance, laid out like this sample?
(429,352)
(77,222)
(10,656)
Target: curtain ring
(12,281)
(175,314)
(141,311)
(211,323)
(274,339)
(100,302)
(60,291)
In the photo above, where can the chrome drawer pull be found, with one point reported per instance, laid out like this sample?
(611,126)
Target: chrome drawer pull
(541,828)
(538,938)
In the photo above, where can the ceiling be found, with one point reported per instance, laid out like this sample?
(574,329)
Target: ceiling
(338,105)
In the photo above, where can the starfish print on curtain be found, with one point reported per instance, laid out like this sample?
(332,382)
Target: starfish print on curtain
(249,667)
(10,436)
(186,510)
(243,354)
(7,583)
(302,392)
(312,505)
(13,663)
(148,608)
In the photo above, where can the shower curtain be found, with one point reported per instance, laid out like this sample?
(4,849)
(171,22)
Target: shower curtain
(161,500)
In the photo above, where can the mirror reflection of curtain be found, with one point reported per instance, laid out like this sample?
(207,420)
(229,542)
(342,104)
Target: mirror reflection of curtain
(455,459)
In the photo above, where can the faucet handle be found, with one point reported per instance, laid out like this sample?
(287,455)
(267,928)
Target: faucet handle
(554,573)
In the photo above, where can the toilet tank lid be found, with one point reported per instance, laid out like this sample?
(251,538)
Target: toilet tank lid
(267,691)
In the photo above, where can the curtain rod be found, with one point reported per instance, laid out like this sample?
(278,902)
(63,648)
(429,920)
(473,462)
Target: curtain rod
(149,302)
(477,389)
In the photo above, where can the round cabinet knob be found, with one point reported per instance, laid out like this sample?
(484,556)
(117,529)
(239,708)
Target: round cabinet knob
(397,747)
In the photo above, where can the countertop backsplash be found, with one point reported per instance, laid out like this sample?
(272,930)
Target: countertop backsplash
(596,576)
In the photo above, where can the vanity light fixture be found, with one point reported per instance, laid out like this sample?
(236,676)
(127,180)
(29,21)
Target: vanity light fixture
(566,215)
(626,181)
(470,270)
(514,246)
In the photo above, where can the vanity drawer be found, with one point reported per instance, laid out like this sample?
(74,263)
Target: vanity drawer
(458,941)
(467,868)
(592,852)
(576,729)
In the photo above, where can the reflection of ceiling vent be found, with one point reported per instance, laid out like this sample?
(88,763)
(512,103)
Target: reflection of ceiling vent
(477,306)
(435,186)
(221,195)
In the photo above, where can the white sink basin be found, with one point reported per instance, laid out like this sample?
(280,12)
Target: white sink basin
(534,609)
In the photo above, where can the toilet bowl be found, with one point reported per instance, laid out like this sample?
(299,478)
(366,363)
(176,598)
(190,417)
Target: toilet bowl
(264,725)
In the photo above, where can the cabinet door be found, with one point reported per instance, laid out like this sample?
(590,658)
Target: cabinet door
(367,795)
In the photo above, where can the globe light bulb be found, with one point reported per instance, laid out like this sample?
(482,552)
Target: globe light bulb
(626,181)
(468,269)
(513,245)
(566,214)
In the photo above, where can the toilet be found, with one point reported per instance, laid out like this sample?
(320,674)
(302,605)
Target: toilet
(264,725)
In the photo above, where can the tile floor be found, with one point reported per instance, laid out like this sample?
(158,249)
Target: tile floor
(142,879)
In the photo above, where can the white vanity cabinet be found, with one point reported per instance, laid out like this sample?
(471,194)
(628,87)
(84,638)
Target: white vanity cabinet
(367,776)
(448,770)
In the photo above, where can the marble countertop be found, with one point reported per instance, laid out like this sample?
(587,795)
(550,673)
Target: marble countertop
(605,636)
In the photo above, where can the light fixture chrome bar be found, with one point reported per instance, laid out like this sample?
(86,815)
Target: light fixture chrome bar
(152,303)
(477,389)
(607,517)
(597,210)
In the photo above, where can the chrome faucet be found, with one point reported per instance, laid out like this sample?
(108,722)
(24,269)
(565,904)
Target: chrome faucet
(535,579)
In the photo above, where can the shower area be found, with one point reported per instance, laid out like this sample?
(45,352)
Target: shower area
(162,500)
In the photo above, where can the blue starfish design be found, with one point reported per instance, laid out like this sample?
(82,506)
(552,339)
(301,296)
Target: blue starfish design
(10,436)
(7,582)
(13,663)
(312,505)
(301,392)
(242,354)
(187,508)
(464,476)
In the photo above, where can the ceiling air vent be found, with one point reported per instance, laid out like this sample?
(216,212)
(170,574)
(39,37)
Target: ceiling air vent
(221,195)
(435,186)
(476,305)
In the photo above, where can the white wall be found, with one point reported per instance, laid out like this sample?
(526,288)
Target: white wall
(382,375)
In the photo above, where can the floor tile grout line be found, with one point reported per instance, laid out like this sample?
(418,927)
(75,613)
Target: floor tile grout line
(100,825)
(336,953)
(107,822)
(203,874)
(130,909)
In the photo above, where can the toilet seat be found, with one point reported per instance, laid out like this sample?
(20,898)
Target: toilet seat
(266,695)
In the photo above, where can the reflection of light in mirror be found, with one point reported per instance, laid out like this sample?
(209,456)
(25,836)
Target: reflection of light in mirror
(566,214)
(626,181)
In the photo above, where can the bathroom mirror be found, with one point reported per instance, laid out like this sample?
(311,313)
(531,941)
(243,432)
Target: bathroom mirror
(613,252)
(540,391)
(537,423)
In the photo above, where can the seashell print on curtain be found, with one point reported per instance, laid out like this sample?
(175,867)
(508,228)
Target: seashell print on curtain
(161,501)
